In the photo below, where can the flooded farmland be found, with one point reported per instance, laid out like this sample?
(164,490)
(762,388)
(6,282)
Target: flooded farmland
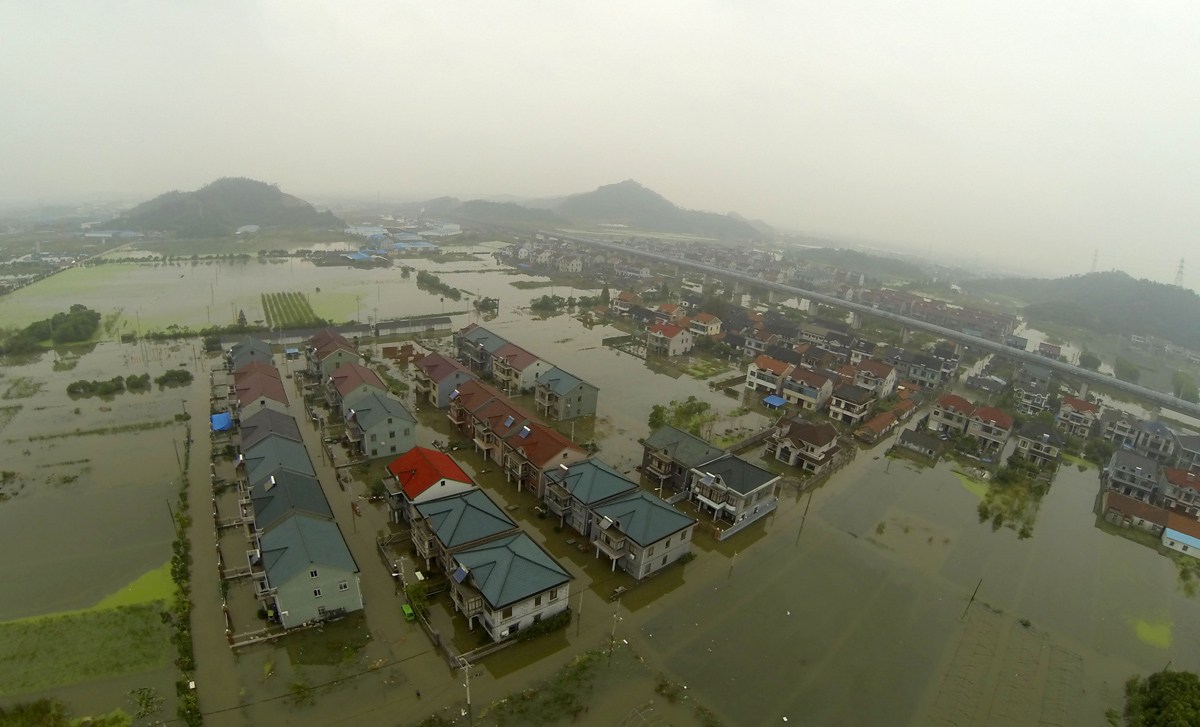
(856,613)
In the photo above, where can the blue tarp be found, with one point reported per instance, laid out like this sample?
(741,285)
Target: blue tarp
(774,401)
(222,422)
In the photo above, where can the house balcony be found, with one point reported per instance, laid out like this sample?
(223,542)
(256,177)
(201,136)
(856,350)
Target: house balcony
(263,590)
(558,499)
(516,466)
(354,433)
(468,602)
(423,385)
(612,547)
(483,441)
(457,416)
(659,467)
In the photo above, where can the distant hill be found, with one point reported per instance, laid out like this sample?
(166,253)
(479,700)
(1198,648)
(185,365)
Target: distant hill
(629,203)
(483,213)
(1111,302)
(884,267)
(222,207)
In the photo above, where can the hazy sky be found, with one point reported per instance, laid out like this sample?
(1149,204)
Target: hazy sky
(1021,133)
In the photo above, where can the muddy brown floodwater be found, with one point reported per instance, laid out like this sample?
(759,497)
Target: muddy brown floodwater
(855,614)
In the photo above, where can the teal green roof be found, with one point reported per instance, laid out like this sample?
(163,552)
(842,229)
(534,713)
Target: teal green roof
(372,406)
(272,453)
(737,474)
(687,449)
(268,421)
(465,518)
(298,544)
(292,492)
(511,569)
(644,518)
(592,481)
(481,335)
(559,381)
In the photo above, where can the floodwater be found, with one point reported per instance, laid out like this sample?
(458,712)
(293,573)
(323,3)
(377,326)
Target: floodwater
(856,613)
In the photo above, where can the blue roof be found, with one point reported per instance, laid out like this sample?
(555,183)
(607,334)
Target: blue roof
(773,400)
(1182,538)
(222,422)
(358,256)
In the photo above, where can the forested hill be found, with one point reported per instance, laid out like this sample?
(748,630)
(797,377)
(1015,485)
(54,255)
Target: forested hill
(1111,302)
(629,203)
(222,207)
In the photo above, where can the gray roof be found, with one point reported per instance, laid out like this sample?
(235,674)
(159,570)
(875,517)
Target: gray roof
(1189,442)
(465,518)
(1039,431)
(854,394)
(921,439)
(559,381)
(489,340)
(247,350)
(272,453)
(644,518)
(1157,428)
(296,545)
(592,481)
(292,492)
(687,449)
(737,474)
(372,406)
(268,421)
(511,569)
(1127,460)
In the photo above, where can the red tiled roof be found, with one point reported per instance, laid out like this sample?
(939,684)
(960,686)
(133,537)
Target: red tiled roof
(877,369)
(668,308)
(954,402)
(626,296)
(904,406)
(437,366)
(256,367)
(348,377)
(666,330)
(707,318)
(419,468)
(817,434)
(1182,478)
(515,356)
(497,411)
(1136,508)
(260,385)
(880,422)
(542,445)
(1183,524)
(473,394)
(773,365)
(1079,404)
(809,377)
(991,414)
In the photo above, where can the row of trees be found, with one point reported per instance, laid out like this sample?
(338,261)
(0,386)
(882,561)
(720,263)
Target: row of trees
(78,324)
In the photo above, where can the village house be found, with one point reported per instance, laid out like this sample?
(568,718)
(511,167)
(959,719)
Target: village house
(1127,512)
(1132,475)
(850,404)
(1187,454)
(535,451)
(435,377)
(877,427)
(1182,535)
(640,533)
(257,391)
(669,455)
(797,442)
(1030,397)
(246,351)
(347,381)
(766,374)
(304,573)
(264,423)
(1155,440)
(280,495)
(475,346)
(447,525)
(990,428)
(1040,443)
(508,584)
(951,414)
(667,313)
(1119,427)
(876,376)
(756,341)
(1180,491)
(923,444)
(808,389)
(705,324)
(573,491)
(421,475)
(667,339)
(1077,417)
(378,425)
(271,453)
(515,370)
(326,351)
(560,396)
(730,488)
(625,300)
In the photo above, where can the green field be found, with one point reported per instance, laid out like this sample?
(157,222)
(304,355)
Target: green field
(289,310)
(122,634)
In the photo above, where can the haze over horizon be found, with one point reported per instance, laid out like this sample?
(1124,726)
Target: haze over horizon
(1023,136)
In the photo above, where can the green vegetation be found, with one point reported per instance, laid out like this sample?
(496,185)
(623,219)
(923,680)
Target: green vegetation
(555,303)
(53,713)
(559,698)
(1184,386)
(558,621)
(22,387)
(138,383)
(693,416)
(1163,699)
(79,324)
(1106,303)
(1013,498)
(221,208)
(417,595)
(174,378)
(431,283)
(289,310)
(139,427)
(1089,360)
(877,266)
(83,387)
(1126,371)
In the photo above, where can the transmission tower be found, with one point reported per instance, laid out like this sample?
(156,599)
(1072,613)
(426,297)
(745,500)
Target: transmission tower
(1179,274)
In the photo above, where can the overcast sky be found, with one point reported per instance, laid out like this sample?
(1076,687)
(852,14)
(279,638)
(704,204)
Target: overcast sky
(1024,134)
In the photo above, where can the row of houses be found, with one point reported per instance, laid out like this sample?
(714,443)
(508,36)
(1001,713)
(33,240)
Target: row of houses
(1141,478)
(558,394)
(303,572)
(1177,532)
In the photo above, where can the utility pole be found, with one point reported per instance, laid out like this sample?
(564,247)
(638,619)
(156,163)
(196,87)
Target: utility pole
(612,637)
(973,593)
(466,667)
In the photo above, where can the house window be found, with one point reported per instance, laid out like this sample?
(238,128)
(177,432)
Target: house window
(406,431)
(316,593)
(321,611)
(343,586)
(537,601)
(506,613)
(372,437)
(553,594)
(389,420)
(664,560)
(651,551)
(312,574)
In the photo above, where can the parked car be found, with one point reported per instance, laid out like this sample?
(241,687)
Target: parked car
(409,614)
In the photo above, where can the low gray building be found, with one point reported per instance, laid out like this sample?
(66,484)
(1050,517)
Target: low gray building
(560,395)
(669,454)
(641,533)
(304,572)
(378,424)
(573,491)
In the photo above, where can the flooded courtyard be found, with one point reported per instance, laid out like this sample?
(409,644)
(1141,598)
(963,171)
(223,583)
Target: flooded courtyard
(849,605)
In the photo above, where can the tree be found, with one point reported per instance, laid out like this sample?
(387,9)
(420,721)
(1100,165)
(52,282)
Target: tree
(1089,360)
(1126,370)
(605,296)
(1164,699)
